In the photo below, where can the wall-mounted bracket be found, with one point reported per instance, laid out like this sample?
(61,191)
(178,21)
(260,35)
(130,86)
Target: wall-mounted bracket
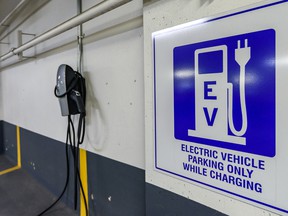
(80,37)
(20,43)
(4,43)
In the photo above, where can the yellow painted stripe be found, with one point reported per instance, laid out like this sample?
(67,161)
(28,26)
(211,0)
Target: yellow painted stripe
(84,179)
(18,147)
(18,166)
(9,170)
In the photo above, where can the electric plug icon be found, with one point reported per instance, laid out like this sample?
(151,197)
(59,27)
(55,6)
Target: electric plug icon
(242,55)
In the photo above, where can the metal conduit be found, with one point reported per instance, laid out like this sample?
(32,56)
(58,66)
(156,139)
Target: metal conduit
(80,39)
(87,15)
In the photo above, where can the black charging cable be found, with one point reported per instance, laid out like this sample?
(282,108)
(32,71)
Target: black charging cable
(71,139)
(68,138)
(75,152)
(74,147)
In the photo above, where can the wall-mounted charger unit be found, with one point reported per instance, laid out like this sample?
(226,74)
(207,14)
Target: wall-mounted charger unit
(70,89)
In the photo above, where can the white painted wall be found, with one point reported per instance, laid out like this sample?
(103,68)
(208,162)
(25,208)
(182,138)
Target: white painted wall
(160,15)
(113,68)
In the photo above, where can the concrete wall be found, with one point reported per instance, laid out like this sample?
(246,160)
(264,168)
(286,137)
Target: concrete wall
(112,65)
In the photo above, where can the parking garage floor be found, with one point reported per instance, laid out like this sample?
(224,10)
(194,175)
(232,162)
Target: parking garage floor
(21,194)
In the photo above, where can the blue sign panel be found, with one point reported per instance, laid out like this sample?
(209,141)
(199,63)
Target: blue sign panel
(224,92)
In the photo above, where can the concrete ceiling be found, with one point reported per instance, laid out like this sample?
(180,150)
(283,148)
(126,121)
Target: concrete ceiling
(6,6)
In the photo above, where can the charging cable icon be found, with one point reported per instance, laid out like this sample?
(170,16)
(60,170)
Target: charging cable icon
(214,94)
(242,56)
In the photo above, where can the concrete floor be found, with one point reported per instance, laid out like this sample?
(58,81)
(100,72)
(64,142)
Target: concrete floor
(22,195)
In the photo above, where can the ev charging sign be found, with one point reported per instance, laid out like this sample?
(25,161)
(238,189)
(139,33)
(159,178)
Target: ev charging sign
(224,104)
(221,105)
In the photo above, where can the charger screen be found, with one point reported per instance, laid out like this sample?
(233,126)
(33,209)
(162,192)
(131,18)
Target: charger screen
(210,62)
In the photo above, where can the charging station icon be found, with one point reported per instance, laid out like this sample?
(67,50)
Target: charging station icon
(214,103)
(218,92)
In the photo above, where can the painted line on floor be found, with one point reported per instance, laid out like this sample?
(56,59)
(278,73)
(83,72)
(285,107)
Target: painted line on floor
(9,170)
(18,166)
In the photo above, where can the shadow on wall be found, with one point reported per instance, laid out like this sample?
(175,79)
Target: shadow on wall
(96,130)
(205,2)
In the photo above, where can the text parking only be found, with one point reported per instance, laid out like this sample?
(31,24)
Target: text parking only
(221,105)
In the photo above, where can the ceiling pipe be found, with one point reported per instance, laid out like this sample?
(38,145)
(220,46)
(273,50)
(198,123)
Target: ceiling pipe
(10,17)
(87,15)
(21,11)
